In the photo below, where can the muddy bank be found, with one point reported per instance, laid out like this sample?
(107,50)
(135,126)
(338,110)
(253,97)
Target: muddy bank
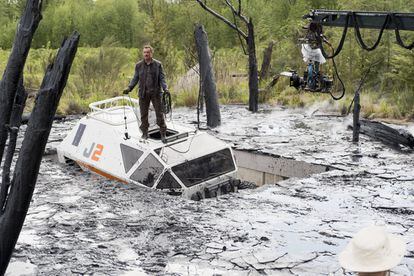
(82,224)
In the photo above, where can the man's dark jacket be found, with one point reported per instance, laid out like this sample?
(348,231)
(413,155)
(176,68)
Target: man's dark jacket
(158,78)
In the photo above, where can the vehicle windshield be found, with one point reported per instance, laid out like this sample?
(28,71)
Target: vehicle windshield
(204,168)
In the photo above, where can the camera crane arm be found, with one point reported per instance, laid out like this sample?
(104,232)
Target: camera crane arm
(363,19)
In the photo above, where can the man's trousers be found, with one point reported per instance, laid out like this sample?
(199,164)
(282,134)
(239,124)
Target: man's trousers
(144,104)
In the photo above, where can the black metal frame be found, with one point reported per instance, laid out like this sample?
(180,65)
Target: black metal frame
(367,20)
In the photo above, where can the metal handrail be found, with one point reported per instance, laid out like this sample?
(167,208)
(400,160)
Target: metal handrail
(95,105)
(101,110)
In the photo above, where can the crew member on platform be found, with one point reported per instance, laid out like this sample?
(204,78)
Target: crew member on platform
(151,78)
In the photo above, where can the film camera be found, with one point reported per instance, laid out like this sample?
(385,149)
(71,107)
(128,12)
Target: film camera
(312,81)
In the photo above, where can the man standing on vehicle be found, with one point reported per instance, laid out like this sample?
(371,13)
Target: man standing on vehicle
(150,75)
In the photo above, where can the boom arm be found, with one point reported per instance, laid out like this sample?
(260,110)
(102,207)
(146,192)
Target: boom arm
(369,20)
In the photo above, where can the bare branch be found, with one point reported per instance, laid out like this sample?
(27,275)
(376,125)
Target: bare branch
(240,38)
(237,12)
(231,6)
(222,18)
(244,18)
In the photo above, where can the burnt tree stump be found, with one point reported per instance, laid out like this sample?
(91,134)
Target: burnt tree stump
(208,83)
(267,58)
(14,69)
(244,38)
(34,143)
(386,134)
(253,73)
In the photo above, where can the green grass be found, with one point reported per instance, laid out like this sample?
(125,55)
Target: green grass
(187,97)
(100,73)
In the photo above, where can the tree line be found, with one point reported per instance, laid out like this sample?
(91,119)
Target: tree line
(134,22)
(169,26)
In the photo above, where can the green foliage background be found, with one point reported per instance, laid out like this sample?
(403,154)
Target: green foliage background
(113,32)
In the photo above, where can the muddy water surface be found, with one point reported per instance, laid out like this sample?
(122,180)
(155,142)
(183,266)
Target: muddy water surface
(79,223)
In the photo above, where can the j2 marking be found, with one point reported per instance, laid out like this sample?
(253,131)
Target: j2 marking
(94,152)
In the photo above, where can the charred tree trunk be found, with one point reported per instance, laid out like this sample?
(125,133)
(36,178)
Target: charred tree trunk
(15,122)
(201,95)
(8,85)
(271,84)
(251,47)
(356,123)
(253,74)
(208,83)
(267,58)
(28,162)
(26,118)
(387,135)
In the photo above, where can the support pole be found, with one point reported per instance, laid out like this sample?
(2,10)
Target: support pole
(356,123)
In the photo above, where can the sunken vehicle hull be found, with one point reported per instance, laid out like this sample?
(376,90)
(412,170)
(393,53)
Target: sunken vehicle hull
(107,142)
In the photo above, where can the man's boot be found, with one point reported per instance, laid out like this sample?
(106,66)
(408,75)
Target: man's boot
(163,137)
(144,135)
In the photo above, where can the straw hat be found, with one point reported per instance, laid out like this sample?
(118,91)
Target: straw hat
(372,250)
